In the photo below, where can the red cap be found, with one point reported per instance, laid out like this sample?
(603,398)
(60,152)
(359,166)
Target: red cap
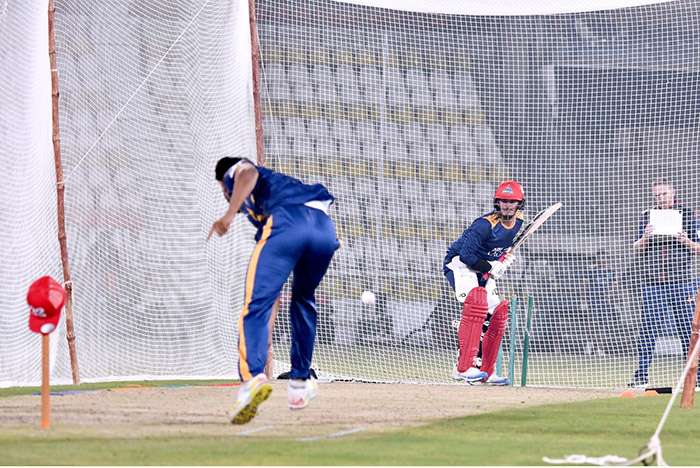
(45,298)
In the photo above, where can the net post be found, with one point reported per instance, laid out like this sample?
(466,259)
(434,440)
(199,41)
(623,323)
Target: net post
(691,377)
(526,343)
(513,323)
(60,206)
(45,387)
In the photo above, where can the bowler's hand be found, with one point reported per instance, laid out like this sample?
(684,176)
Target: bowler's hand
(220,226)
(648,231)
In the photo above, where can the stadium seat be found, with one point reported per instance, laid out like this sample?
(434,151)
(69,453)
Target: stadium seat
(453,170)
(324,81)
(309,163)
(296,54)
(442,87)
(396,87)
(343,56)
(300,82)
(436,133)
(301,147)
(274,79)
(392,132)
(417,84)
(485,141)
(367,131)
(464,84)
(348,89)
(341,129)
(370,84)
(294,127)
(317,129)
(319,55)
(413,133)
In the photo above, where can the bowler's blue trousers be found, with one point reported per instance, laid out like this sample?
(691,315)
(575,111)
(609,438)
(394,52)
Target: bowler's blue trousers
(296,239)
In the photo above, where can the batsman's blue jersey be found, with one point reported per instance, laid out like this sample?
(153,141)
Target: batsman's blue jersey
(487,239)
(295,235)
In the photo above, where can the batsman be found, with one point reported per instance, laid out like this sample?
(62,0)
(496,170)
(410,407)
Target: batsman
(472,265)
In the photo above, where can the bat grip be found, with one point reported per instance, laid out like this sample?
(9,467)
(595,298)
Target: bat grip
(487,275)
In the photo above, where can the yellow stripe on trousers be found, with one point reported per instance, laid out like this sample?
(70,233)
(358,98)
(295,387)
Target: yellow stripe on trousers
(249,284)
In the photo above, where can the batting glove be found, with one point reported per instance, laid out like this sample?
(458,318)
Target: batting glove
(497,269)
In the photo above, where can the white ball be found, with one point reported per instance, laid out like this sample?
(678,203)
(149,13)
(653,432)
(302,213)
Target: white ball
(368,298)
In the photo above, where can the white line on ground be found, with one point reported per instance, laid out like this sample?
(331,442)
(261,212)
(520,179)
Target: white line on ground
(337,434)
(253,431)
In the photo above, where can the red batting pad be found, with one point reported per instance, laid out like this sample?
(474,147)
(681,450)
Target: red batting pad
(493,336)
(474,313)
(45,298)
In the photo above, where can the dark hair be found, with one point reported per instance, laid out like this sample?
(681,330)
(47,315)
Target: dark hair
(224,165)
(662,181)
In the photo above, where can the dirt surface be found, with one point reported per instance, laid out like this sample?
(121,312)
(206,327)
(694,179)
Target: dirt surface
(339,407)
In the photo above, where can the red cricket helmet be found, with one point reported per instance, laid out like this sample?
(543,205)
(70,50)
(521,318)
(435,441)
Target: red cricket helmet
(509,190)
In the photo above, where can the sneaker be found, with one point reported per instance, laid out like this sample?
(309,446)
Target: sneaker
(638,380)
(473,375)
(250,395)
(301,391)
(497,380)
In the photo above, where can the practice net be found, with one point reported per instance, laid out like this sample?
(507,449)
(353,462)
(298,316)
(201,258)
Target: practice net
(410,118)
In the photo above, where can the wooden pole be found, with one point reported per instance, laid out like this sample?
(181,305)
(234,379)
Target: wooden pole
(691,376)
(67,284)
(45,387)
(255,56)
(260,149)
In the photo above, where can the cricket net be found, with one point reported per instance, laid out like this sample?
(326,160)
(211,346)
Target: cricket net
(411,118)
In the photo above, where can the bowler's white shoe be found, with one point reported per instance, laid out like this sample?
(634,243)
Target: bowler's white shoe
(301,392)
(250,395)
(495,379)
(473,375)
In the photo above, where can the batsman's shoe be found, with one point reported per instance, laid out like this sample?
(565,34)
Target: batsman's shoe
(473,375)
(250,396)
(301,392)
(497,380)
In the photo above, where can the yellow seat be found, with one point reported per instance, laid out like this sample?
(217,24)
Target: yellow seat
(405,169)
(334,111)
(296,54)
(475,173)
(288,109)
(474,116)
(453,171)
(452,116)
(319,55)
(429,170)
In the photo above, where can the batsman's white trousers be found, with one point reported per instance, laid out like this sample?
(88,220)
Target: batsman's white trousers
(467,279)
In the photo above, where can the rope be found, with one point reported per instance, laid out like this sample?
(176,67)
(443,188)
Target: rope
(649,453)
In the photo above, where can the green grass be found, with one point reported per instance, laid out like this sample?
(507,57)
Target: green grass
(515,437)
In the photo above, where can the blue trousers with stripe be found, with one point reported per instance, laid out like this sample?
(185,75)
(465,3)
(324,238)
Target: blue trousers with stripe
(295,239)
(659,300)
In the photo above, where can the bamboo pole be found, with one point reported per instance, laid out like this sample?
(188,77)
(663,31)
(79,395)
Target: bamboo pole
(255,56)
(691,376)
(255,60)
(67,284)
